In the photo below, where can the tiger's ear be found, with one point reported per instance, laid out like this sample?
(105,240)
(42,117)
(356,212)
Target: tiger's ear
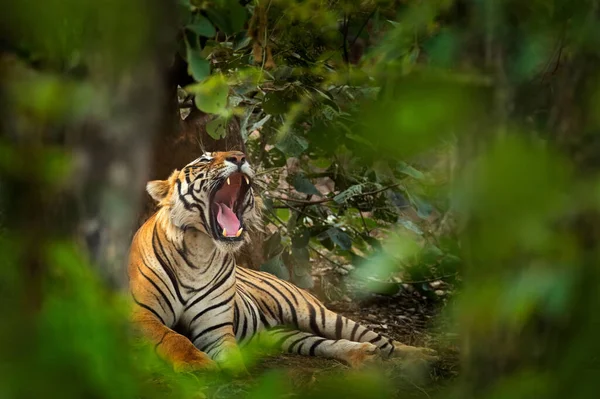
(158,189)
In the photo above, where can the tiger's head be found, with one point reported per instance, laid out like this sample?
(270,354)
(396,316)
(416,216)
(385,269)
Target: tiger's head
(212,194)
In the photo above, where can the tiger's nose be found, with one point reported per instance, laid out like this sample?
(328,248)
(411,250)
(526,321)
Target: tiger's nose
(237,159)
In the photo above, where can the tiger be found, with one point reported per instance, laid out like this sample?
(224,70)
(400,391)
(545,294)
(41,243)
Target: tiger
(197,307)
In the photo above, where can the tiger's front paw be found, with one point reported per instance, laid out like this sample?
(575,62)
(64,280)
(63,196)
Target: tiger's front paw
(195,362)
(360,354)
(414,353)
(414,362)
(232,362)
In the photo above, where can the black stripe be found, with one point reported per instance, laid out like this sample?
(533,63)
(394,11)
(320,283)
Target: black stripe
(167,268)
(159,291)
(183,254)
(291,347)
(377,338)
(322,309)
(159,302)
(211,328)
(208,309)
(252,312)
(362,334)
(266,276)
(338,327)
(217,285)
(312,315)
(149,309)
(210,346)
(356,325)
(263,320)
(161,340)
(158,276)
(285,337)
(236,315)
(292,310)
(268,310)
(189,206)
(279,308)
(222,270)
(227,309)
(315,345)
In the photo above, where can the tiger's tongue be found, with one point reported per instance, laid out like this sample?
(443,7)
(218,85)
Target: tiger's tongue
(227,220)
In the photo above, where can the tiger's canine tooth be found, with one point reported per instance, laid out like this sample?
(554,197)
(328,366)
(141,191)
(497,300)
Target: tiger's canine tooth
(239,233)
(228,181)
(247,180)
(224,232)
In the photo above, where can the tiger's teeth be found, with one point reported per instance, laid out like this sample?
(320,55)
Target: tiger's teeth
(224,232)
(239,233)
(247,180)
(228,181)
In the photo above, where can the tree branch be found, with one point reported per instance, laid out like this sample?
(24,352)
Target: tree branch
(324,200)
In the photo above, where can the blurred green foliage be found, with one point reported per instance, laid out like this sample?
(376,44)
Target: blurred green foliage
(456,140)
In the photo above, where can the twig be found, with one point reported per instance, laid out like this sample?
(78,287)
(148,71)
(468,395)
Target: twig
(430,280)
(267,171)
(364,223)
(363,26)
(329,199)
(345,38)
(325,256)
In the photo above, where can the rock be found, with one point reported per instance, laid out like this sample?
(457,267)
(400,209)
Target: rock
(436,284)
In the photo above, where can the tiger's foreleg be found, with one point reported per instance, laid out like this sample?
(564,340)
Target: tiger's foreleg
(220,344)
(171,346)
(354,354)
(336,326)
(282,303)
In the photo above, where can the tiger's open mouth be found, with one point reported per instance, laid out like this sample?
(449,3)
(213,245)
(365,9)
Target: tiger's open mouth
(227,207)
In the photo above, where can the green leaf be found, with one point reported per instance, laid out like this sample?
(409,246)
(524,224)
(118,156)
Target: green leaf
(272,245)
(301,239)
(304,281)
(301,275)
(411,226)
(424,209)
(276,267)
(348,193)
(198,66)
(283,214)
(229,18)
(342,239)
(410,171)
(303,185)
(359,139)
(292,145)
(322,163)
(244,130)
(202,27)
(211,94)
(276,102)
(217,128)
(260,123)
